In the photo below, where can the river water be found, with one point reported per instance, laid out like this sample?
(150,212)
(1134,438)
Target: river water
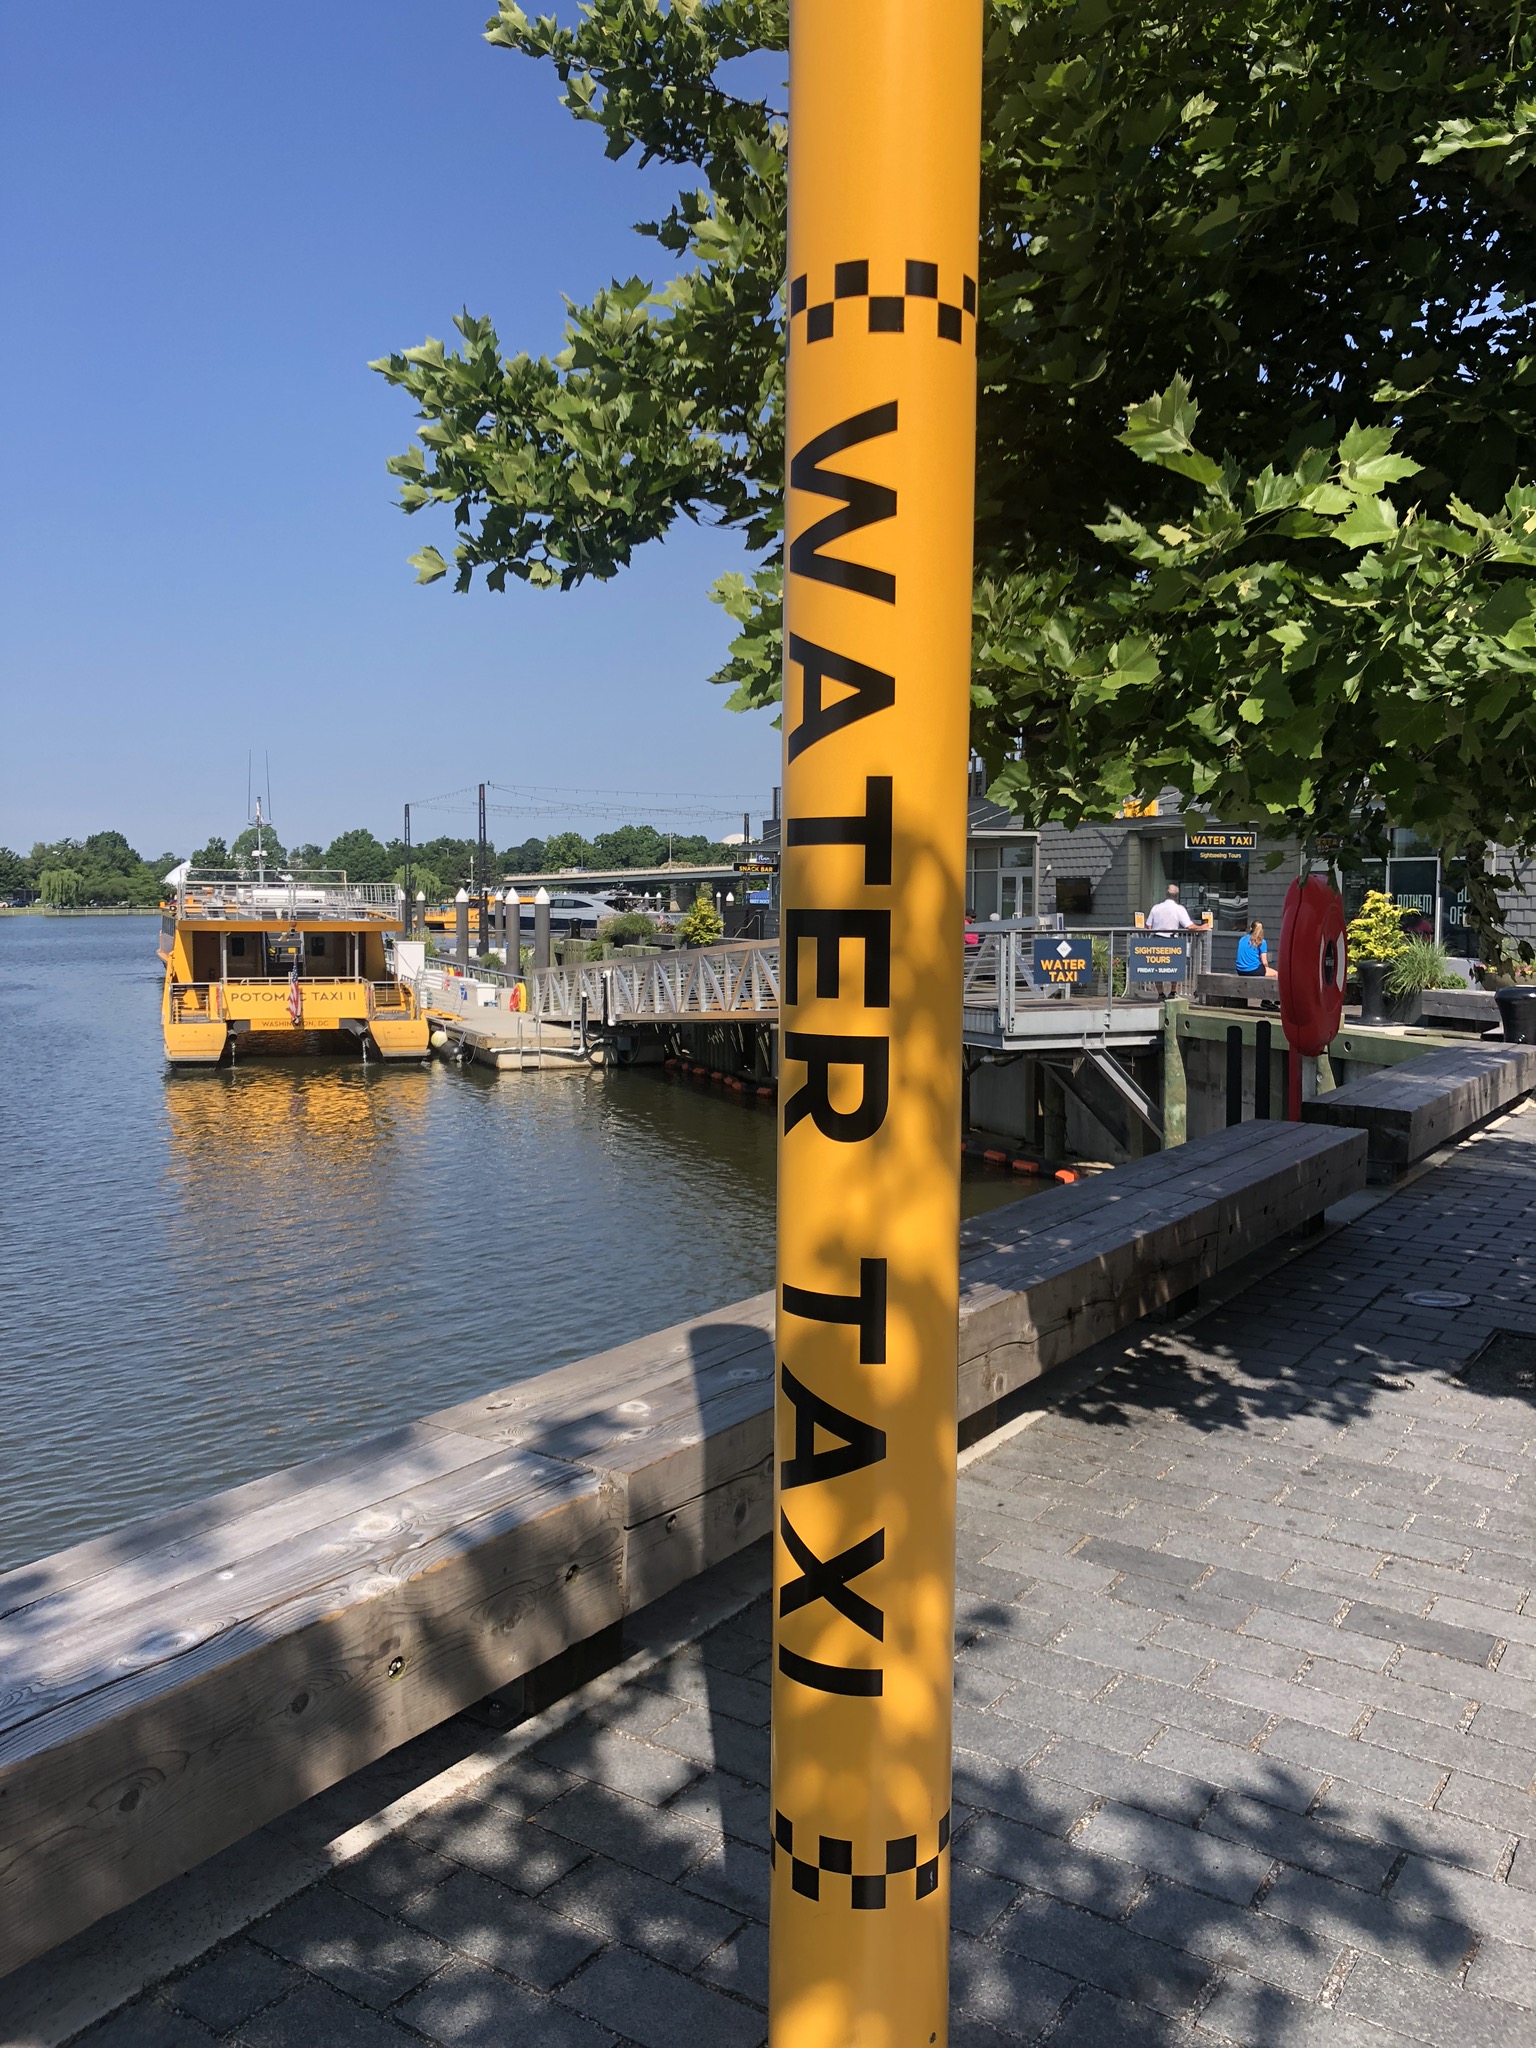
(206,1276)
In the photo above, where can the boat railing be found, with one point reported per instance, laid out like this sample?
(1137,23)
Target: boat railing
(193,1002)
(301,893)
(196,1002)
(390,995)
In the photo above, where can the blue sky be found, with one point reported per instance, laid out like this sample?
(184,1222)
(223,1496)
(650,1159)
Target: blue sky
(214,218)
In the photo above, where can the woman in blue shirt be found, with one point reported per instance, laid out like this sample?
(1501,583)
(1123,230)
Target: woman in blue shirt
(1252,951)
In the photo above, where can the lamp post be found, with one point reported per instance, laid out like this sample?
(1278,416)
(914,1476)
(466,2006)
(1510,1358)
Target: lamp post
(883,202)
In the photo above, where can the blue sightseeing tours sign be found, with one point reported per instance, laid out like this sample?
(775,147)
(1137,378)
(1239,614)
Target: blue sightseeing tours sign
(1156,957)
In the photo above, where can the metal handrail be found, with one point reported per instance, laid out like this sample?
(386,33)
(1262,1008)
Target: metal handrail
(1000,976)
(299,895)
(742,979)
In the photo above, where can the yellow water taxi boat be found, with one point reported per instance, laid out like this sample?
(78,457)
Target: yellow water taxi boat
(260,964)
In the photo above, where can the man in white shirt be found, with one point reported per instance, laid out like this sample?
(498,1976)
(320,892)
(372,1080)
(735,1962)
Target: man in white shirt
(1169,915)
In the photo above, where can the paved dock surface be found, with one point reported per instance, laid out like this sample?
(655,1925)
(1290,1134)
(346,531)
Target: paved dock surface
(1245,1725)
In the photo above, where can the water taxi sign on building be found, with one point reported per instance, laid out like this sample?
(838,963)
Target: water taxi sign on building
(1222,842)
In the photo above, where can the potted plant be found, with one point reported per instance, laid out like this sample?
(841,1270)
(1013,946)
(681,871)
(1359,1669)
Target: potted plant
(627,928)
(702,925)
(1422,964)
(1376,939)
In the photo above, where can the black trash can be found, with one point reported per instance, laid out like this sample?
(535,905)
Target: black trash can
(1517,1010)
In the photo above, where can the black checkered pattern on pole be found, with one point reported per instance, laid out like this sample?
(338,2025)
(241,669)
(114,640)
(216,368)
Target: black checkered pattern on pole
(886,312)
(834,1858)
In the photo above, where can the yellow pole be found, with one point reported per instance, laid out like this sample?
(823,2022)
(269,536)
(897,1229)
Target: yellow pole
(885,109)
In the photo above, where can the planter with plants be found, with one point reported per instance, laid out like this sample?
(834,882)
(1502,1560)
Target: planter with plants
(1422,964)
(702,925)
(627,928)
(1375,940)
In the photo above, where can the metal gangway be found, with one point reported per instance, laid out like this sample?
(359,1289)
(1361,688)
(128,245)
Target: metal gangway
(740,981)
(1009,1004)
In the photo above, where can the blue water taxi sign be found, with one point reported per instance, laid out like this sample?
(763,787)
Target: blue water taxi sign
(1063,960)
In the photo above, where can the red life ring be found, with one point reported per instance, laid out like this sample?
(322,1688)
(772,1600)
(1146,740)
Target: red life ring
(1312,966)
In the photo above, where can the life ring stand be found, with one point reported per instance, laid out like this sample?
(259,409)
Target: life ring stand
(1314,961)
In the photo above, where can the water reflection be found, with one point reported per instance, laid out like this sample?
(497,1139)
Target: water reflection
(206,1276)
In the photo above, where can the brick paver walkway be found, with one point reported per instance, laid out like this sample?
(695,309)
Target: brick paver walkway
(1246,1725)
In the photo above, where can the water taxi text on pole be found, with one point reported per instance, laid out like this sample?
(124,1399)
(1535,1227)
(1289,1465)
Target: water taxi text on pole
(885,99)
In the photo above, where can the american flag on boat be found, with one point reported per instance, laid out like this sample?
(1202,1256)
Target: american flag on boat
(295,1000)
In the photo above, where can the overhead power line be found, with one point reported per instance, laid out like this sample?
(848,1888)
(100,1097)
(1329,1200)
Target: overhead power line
(617,805)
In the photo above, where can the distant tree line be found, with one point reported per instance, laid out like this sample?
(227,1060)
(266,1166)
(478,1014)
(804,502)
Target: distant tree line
(105,869)
(441,865)
(76,873)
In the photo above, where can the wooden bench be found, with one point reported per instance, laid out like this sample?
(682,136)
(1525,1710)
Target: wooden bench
(1244,989)
(1043,1280)
(166,1689)
(1461,1009)
(1410,1110)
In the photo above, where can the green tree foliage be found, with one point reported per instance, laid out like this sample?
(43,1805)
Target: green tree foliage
(527,859)
(360,856)
(630,846)
(16,876)
(701,923)
(1321,217)
(1288,647)
(627,847)
(106,867)
(61,888)
(568,850)
(1376,931)
(214,855)
(424,881)
(306,855)
(453,859)
(243,853)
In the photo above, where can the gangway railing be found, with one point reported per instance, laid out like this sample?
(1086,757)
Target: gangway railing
(1003,990)
(716,981)
(1002,980)
(713,981)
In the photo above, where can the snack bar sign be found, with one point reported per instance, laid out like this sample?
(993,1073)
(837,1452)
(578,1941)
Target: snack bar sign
(1156,957)
(1063,960)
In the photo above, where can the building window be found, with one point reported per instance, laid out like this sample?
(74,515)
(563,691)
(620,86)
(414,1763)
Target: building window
(317,944)
(1000,878)
(237,945)
(981,880)
(1074,895)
